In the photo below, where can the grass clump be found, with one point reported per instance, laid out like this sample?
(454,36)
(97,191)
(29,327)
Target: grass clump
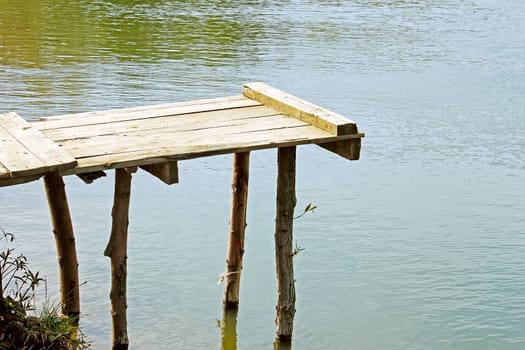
(21,327)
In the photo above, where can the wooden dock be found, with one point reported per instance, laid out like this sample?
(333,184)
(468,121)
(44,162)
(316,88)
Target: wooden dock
(155,138)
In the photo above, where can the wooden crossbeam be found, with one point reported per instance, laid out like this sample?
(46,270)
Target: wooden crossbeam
(167,172)
(349,149)
(300,109)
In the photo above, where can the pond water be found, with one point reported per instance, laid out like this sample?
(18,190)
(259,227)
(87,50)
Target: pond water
(418,245)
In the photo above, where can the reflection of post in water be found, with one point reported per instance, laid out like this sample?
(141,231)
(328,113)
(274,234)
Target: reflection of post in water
(229,332)
(229,329)
(281,344)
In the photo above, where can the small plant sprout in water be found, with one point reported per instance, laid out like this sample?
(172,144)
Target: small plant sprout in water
(297,249)
(309,208)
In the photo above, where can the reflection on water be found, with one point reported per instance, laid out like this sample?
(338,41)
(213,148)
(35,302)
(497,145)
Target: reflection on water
(418,245)
(228,327)
(37,33)
(282,344)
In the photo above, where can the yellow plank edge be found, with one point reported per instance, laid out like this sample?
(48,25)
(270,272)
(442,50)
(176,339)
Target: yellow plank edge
(301,109)
(16,159)
(30,152)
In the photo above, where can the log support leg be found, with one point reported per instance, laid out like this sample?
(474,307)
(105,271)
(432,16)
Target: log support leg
(65,243)
(241,166)
(284,242)
(117,251)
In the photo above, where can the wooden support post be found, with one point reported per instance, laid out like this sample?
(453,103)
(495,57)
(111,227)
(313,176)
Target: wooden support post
(283,242)
(65,243)
(241,170)
(117,251)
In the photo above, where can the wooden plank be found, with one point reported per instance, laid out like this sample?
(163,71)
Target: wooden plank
(167,172)
(229,144)
(126,110)
(163,124)
(29,151)
(111,116)
(17,160)
(149,140)
(349,149)
(147,135)
(301,109)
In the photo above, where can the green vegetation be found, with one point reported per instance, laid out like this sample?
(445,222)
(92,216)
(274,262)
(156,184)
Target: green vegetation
(309,208)
(20,328)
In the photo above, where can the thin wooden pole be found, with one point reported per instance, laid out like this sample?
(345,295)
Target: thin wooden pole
(283,242)
(241,170)
(117,251)
(65,243)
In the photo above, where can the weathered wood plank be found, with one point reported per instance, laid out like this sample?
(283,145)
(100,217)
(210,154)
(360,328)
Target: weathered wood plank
(231,144)
(167,172)
(162,124)
(111,116)
(16,159)
(145,108)
(106,144)
(29,152)
(349,149)
(301,109)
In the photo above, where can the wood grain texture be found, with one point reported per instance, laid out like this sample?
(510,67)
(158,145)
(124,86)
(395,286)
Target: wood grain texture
(349,149)
(241,172)
(194,149)
(25,151)
(284,242)
(148,135)
(300,109)
(117,251)
(167,172)
(65,243)
(143,112)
